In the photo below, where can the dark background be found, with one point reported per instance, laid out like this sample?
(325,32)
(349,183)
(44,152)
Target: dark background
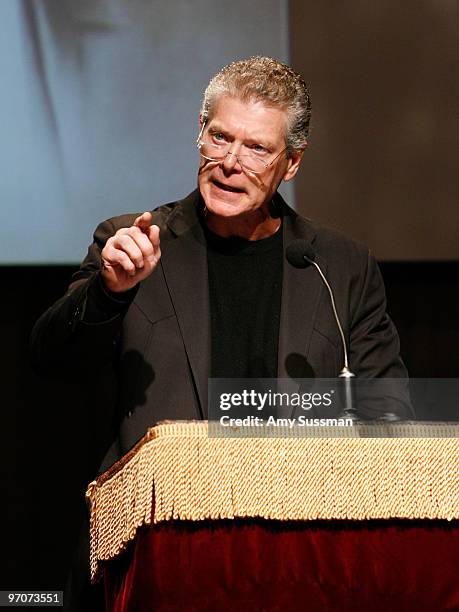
(382,165)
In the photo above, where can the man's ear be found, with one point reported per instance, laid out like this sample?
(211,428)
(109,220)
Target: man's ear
(294,162)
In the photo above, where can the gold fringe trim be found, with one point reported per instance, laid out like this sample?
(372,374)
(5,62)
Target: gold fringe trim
(283,477)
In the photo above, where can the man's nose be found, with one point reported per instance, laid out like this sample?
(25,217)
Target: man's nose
(231,161)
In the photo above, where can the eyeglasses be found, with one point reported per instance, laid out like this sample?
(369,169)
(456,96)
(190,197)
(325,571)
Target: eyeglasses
(217,151)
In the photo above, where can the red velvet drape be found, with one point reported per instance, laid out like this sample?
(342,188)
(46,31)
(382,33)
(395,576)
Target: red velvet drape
(260,565)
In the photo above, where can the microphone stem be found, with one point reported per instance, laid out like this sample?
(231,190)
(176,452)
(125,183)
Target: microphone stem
(345,370)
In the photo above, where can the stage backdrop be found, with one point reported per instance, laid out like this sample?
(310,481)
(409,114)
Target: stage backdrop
(383,161)
(99,113)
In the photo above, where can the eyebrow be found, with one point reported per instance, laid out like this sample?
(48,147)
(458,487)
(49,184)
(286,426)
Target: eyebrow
(261,141)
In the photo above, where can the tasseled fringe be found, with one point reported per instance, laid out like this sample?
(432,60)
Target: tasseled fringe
(284,477)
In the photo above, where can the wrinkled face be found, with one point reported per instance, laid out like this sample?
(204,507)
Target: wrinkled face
(228,190)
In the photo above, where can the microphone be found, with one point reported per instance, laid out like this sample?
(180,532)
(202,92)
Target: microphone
(300,254)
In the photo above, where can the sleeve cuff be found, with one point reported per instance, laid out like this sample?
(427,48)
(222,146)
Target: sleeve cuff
(103,304)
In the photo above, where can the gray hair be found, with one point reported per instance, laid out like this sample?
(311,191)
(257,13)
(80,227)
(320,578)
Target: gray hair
(264,79)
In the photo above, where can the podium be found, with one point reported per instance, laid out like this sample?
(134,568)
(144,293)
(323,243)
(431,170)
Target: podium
(353,519)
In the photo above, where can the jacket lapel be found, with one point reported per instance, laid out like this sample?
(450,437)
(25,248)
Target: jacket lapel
(301,292)
(184,262)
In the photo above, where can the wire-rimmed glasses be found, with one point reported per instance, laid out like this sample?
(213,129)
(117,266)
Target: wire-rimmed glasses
(216,152)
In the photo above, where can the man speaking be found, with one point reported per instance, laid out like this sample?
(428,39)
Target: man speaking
(201,287)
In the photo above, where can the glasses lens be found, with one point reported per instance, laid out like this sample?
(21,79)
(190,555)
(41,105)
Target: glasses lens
(252,164)
(213,151)
(217,153)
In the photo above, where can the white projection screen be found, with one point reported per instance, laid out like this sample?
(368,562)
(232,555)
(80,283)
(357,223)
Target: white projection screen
(99,108)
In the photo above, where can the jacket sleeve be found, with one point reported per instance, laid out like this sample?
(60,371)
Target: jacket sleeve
(375,345)
(79,333)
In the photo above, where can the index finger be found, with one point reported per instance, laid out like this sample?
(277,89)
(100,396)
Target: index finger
(143,221)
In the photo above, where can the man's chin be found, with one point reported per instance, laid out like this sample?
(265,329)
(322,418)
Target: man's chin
(226,207)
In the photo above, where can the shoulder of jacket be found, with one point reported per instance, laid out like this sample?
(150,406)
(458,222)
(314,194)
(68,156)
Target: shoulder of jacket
(330,239)
(160,216)
(325,240)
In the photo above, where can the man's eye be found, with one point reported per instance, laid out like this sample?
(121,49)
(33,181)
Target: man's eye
(258,149)
(219,137)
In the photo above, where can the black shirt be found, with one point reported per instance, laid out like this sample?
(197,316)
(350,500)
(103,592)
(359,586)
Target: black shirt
(245,287)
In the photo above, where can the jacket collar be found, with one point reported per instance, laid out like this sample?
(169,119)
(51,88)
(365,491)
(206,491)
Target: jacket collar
(185,215)
(301,292)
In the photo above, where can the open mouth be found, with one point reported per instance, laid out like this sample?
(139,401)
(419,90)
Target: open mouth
(227,187)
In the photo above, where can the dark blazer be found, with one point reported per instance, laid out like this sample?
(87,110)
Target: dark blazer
(154,354)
